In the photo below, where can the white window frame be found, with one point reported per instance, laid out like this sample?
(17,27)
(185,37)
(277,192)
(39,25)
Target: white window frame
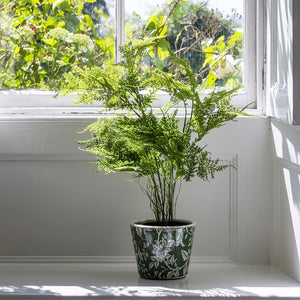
(39,104)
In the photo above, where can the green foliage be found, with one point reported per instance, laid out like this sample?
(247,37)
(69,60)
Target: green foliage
(40,40)
(224,60)
(211,43)
(56,44)
(158,147)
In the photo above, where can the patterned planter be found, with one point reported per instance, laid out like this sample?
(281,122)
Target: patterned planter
(162,252)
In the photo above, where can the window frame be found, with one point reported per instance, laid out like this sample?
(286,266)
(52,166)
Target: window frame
(38,103)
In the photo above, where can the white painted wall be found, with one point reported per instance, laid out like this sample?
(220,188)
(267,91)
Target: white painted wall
(286,142)
(282,91)
(53,206)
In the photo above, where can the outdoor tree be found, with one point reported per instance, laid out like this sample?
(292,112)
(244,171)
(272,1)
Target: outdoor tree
(41,40)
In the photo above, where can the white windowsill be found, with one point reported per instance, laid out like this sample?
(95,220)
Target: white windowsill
(37,105)
(68,113)
(51,113)
(103,281)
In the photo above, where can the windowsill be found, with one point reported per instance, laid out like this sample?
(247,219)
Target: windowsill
(51,113)
(37,105)
(67,113)
(205,280)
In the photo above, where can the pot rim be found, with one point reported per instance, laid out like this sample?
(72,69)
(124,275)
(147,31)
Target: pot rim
(143,224)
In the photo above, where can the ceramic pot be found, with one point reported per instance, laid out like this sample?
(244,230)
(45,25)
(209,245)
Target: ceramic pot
(162,252)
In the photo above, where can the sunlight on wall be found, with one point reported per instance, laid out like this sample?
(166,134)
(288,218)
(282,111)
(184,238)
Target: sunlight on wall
(286,142)
(278,141)
(287,232)
(292,184)
(293,152)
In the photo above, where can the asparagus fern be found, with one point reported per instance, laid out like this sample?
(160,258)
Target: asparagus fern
(157,147)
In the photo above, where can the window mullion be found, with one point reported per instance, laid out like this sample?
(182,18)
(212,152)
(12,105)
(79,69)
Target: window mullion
(250,75)
(119,24)
(260,54)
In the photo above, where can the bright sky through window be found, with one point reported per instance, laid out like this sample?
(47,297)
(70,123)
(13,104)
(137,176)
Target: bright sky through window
(142,7)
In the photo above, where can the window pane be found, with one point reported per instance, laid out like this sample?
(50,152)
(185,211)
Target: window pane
(208,33)
(40,40)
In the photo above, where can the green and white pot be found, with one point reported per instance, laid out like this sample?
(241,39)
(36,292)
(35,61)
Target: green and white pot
(162,252)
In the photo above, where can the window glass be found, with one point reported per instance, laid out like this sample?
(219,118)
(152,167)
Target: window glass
(40,40)
(208,33)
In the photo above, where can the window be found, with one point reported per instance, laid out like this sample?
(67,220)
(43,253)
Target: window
(79,46)
(208,34)
(43,39)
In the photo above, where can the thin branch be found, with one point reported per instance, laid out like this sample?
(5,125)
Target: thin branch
(168,17)
(196,50)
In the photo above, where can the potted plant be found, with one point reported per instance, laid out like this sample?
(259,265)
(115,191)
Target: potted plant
(159,146)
